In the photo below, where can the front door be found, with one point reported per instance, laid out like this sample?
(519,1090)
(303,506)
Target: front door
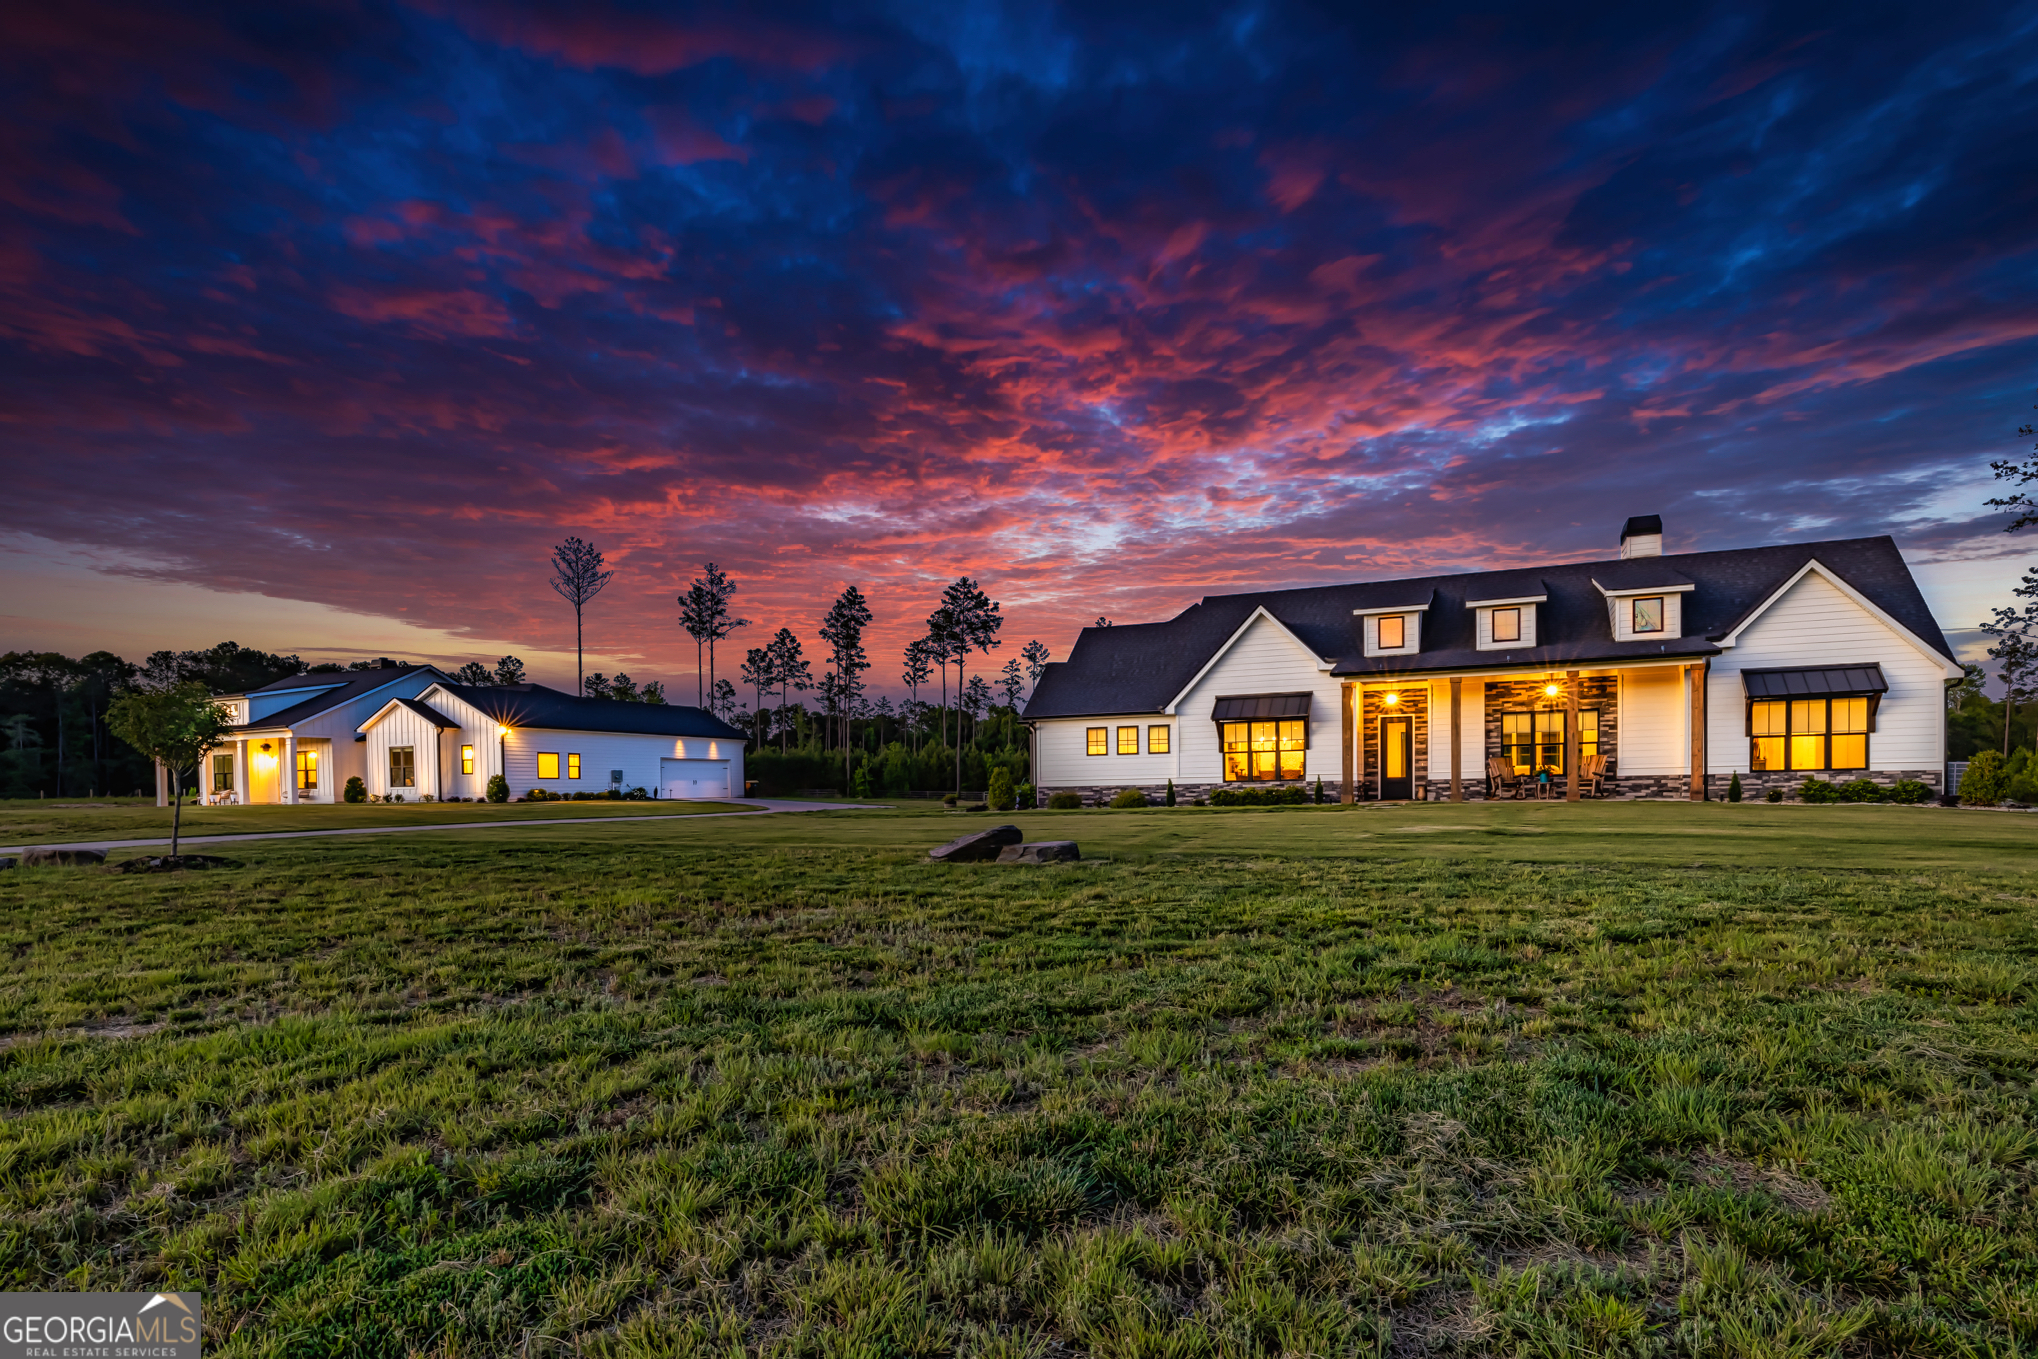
(1396,758)
(265,769)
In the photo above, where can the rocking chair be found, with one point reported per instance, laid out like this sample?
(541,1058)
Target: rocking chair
(1505,782)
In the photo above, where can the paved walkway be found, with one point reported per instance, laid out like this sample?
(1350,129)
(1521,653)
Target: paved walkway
(753,807)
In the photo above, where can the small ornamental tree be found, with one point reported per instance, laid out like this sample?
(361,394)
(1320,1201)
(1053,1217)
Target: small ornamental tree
(1734,787)
(177,727)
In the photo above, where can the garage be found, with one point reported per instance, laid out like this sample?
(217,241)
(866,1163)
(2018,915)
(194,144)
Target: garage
(693,778)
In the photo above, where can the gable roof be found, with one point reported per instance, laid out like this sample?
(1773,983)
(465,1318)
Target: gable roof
(330,692)
(535,706)
(1141,668)
(424,710)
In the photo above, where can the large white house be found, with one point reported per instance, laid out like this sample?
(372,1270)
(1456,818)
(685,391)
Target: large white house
(1775,663)
(411,732)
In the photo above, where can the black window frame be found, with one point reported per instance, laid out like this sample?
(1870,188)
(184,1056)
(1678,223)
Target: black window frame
(1662,603)
(1286,729)
(410,762)
(222,773)
(1493,623)
(1789,736)
(1096,740)
(1380,632)
(1167,735)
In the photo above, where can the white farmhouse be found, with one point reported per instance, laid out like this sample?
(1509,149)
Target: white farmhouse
(1650,676)
(411,732)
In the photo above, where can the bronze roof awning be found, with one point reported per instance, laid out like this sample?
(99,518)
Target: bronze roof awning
(1817,682)
(1260,707)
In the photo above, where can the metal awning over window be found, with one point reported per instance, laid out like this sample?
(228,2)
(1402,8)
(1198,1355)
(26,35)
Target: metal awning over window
(1260,707)
(1823,682)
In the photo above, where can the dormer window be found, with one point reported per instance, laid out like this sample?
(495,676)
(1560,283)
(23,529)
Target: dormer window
(1648,613)
(1393,632)
(1507,621)
(1507,624)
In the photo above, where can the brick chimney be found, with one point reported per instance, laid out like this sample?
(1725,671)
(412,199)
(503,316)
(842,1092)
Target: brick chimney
(1642,536)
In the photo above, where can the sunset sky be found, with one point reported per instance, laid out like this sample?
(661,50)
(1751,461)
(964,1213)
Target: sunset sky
(321,324)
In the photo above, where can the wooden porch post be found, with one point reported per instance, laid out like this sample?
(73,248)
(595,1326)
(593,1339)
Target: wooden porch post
(1457,738)
(1697,673)
(1350,724)
(1571,736)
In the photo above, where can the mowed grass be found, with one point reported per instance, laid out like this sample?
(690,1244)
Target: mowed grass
(1283,1084)
(35,821)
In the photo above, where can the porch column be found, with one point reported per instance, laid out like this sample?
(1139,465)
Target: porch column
(241,772)
(289,769)
(1457,738)
(1697,674)
(1571,736)
(1350,729)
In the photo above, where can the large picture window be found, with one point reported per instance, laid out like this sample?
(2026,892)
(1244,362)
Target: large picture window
(1256,751)
(1808,733)
(403,767)
(1393,632)
(1534,741)
(1507,625)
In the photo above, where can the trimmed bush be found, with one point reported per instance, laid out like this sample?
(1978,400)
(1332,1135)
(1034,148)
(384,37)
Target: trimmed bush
(1817,791)
(1734,787)
(498,788)
(1773,795)
(355,791)
(1860,790)
(1293,796)
(1910,792)
(1130,797)
(1984,784)
(1000,795)
(1319,791)
(1171,793)
(1064,801)
(1028,797)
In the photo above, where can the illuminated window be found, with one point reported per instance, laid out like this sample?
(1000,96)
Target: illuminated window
(1649,614)
(307,771)
(1255,751)
(1393,632)
(572,766)
(1534,741)
(1157,740)
(467,759)
(403,767)
(548,764)
(222,773)
(1507,625)
(1808,733)
(1128,740)
(1099,740)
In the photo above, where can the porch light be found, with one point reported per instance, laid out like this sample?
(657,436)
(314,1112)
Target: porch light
(502,731)
(1392,700)
(1550,689)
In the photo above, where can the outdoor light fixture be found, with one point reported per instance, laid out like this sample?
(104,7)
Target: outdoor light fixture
(1391,700)
(1550,689)
(502,731)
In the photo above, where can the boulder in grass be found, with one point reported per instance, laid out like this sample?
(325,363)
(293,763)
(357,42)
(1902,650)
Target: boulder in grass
(69,858)
(171,863)
(1040,852)
(6,862)
(980,847)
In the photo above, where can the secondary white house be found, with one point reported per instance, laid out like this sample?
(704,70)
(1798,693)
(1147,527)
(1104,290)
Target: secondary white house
(1647,675)
(410,731)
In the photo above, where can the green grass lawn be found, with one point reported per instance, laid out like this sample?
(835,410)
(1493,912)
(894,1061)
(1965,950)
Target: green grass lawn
(1625,1079)
(33,821)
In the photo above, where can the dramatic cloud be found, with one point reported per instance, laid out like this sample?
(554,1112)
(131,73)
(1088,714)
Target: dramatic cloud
(368,305)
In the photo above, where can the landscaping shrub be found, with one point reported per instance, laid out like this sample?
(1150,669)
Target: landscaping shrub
(1000,796)
(498,788)
(949,799)
(1293,796)
(1773,795)
(1171,793)
(2020,782)
(1064,801)
(1734,788)
(1028,797)
(1984,784)
(1129,797)
(1910,792)
(1818,791)
(542,795)
(1860,790)
(1319,791)
(355,791)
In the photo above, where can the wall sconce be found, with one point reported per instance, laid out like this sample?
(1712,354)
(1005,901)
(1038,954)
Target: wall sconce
(1392,700)
(1551,690)
(265,747)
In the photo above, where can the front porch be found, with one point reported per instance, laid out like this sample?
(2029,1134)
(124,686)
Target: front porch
(267,769)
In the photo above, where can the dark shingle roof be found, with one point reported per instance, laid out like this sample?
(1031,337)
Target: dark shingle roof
(1639,573)
(533,705)
(1140,668)
(429,714)
(331,691)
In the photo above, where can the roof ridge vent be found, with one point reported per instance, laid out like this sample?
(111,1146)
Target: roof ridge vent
(1642,536)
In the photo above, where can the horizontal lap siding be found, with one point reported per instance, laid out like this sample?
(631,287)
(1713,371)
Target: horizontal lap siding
(637,756)
(1063,761)
(1815,624)
(1266,660)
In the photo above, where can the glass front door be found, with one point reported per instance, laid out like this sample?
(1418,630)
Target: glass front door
(1397,758)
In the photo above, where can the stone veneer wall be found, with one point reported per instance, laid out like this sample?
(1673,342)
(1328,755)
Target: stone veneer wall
(1414,704)
(1594,691)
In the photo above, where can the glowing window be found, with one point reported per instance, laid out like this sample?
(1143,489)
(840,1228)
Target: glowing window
(1811,733)
(467,759)
(1157,740)
(307,771)
(1099,740)
(1532,742)
(1255,751)
(548,764)
(1649,614)
(572,766)
(403,767)
(1128,740)
(1393,632)
(222,773)
(1507,625)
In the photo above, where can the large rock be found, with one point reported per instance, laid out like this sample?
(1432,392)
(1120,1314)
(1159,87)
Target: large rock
(982,847)
(169,863)
(1040,852)
(34,858)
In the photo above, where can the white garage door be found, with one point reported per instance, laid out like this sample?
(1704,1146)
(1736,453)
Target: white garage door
(694,778)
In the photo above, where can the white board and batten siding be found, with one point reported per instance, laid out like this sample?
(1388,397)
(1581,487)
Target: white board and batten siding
(1265,660)
(1816,624)
(401,727)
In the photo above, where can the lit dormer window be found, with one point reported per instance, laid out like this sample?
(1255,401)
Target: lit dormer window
(1507,625)
(1393,632)
(1508,621)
